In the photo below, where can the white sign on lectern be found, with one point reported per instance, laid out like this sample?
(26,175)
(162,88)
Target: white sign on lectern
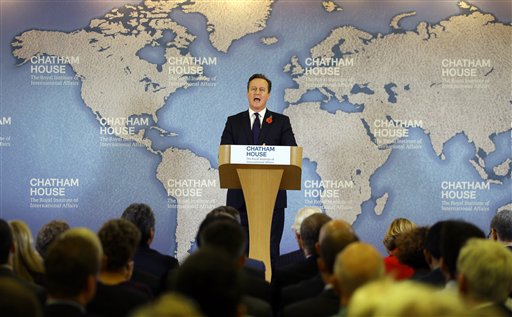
(260,154)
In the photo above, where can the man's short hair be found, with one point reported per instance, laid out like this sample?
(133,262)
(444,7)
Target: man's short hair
(310,230)
(5,241)
(141,216)
(260,76)
(119,239)
(71,259)
(433,240)
(335,236)
(48,233)
(226,234)
(502,224)
(487,267)
(225,211)
(302,214)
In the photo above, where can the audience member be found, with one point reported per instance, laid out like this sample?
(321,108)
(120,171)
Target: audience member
(209,277)
(297,255)
(316,296)
(48,233)
(17,301)
(394,268)
(116,295)
(454,235)
(149,263)
(7,250)
(169,305)
(432,253)
(410,246)
(501,227)
(72,264)
(27,263)
(484,276)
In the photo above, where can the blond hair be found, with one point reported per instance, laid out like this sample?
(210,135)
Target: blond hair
(27,263)
(396,227)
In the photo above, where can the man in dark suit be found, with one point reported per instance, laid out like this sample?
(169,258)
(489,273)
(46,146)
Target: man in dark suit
(259,126)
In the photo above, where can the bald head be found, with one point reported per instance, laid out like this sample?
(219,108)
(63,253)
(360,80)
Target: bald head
(334,236)
(358,264)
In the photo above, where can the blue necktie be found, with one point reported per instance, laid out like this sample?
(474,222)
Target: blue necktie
(256,128)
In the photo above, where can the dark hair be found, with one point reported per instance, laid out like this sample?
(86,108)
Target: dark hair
(410,245)
(210,277)
(141,216)
(225,211)
(47,235)
(433,240)
(5,241)
(310,230)
(260,76)
(225,234)
(502,223)
(119,239)
(454,235)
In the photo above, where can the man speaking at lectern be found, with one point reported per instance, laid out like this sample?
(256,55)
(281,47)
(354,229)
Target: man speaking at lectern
(259,126)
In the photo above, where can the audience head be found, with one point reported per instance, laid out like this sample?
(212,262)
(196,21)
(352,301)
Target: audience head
(16,300)
(396,227)
(209,277)
(410,246)
(72,265)
(27,263)
(226,234)
(501,226)
(484,270)
(169,305)
(227,211)
(334,236)
(310,231)
(119,239)
(302,214)
(48,233)
(143,218)
(6,242)
(358,264)
(454,235)
(432,247)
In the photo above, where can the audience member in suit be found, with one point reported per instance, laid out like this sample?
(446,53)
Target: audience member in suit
(394,268)
(303,270)
(18,301)
(116,295)
(209,277)
(170,305)
(297,255)
(501,228)
(7,250)
(227,234)
(259,126)
(454,235)
(72,264)
(27,263)
(48,233)
(310,295)
(149,263)
(484,276)
(410,246)
(432,253)
(358,264)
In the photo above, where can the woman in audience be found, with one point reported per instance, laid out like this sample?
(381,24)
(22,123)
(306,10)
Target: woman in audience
(394,268)
(27,263)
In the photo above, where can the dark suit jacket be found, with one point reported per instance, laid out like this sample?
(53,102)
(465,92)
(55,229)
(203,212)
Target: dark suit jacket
(63,310)
(290,258)
(324,305)
(302,291)
(275,131)
(154,263)
(36,289)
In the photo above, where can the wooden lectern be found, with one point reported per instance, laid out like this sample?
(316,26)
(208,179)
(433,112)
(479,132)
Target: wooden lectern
(260,184)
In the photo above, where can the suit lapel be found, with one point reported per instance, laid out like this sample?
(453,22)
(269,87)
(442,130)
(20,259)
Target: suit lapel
(246,126)
(265,126)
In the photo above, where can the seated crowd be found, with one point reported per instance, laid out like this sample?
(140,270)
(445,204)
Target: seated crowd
(449,268)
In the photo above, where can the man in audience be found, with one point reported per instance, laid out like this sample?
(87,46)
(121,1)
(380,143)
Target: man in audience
(48,233)
(116,296)
(485,276)
(72,265)
(7,250)
(432,253)
(316,296)
(18,301)
(209,277)
(358,264)
(454,235)
(501,228)
(149,263)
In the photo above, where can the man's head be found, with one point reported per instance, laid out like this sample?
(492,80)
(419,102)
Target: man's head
(501,226)
(226,234)
(302,214)
(432,246)
(484,270)
(48,233)
(119,239)
(72,265)
(258,91)
(334,236)
(358,264)
(310,231)
(6,242)
(141,216)
(225,211)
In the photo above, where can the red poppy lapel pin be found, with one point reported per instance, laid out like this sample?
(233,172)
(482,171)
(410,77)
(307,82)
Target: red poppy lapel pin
(269,120)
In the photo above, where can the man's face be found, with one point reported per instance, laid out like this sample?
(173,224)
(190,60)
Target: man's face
(258,94)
